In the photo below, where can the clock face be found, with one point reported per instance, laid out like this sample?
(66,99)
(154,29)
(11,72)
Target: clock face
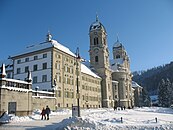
(95,33)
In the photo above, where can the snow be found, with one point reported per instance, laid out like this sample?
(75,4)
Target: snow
(16,89)
(146,118)
(117,44)
(45,45)
(97,25)
(15,80)
(86,70)
(134,84)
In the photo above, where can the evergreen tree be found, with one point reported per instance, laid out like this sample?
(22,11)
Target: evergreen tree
(146,98)
(164,93)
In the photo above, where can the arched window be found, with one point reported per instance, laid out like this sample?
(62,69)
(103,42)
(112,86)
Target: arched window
(96,59)
(96,41)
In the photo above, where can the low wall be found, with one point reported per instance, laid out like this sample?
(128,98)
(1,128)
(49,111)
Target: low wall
(38,102)
(15,102)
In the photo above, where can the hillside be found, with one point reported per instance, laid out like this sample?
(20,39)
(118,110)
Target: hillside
(149,79)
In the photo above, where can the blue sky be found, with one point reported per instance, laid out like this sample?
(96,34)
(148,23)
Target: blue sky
(145,27)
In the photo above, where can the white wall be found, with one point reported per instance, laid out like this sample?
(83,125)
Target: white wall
(38,73)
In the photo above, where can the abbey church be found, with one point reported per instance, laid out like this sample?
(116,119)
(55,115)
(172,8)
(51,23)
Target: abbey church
(55,72)
(116,76)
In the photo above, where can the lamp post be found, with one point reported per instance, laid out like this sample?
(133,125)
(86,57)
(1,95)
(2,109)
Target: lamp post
(77,79)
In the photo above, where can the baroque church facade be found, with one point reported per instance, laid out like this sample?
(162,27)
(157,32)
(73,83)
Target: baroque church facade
(116,84)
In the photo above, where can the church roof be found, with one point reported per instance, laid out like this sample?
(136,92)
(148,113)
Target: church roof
(86,70)
(97,25)
(118,44)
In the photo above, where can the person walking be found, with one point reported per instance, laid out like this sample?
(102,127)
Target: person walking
(43,114)
(47,112)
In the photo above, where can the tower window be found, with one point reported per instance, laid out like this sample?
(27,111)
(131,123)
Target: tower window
(96,41)
(104,41)
(117,56)
(96,59)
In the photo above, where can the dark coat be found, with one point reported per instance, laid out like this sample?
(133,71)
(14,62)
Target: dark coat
(43,112)
(47,110)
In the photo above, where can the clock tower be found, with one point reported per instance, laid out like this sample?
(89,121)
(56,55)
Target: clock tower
(99,60)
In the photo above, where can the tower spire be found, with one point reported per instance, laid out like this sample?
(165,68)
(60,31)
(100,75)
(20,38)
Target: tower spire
(117,38)
(97,19)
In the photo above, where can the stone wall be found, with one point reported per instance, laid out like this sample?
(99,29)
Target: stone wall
(39,102)
(15,102)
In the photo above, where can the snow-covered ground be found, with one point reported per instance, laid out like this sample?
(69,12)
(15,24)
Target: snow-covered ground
(153,118)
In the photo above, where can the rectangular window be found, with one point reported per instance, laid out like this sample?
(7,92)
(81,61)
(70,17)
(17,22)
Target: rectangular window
(44,78)
(34,79)
(8,75)
(66,94)
(26,69)
(18,61)
(35,68)
(44,66)
(18,70)
(26,59)
(55,65)
(58,66)
(35,57)
(59,78)
(59,93)
(45,55)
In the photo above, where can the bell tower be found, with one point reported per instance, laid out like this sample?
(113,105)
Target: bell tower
(119,52)
(99,60)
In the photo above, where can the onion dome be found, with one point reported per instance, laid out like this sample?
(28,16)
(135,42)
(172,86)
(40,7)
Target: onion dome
(118,44)
(97,25)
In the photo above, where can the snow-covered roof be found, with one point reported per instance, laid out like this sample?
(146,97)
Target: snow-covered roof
(45,45)
(15,88)
(118,44)
(86,70)
(115,62)
(97,26)
(15,80)
(154,97)
(134,85)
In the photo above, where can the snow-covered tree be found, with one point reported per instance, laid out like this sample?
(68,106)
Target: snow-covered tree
(146,98)
(164,93)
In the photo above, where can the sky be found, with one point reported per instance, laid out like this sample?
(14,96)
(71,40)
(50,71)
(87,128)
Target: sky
(144,27)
